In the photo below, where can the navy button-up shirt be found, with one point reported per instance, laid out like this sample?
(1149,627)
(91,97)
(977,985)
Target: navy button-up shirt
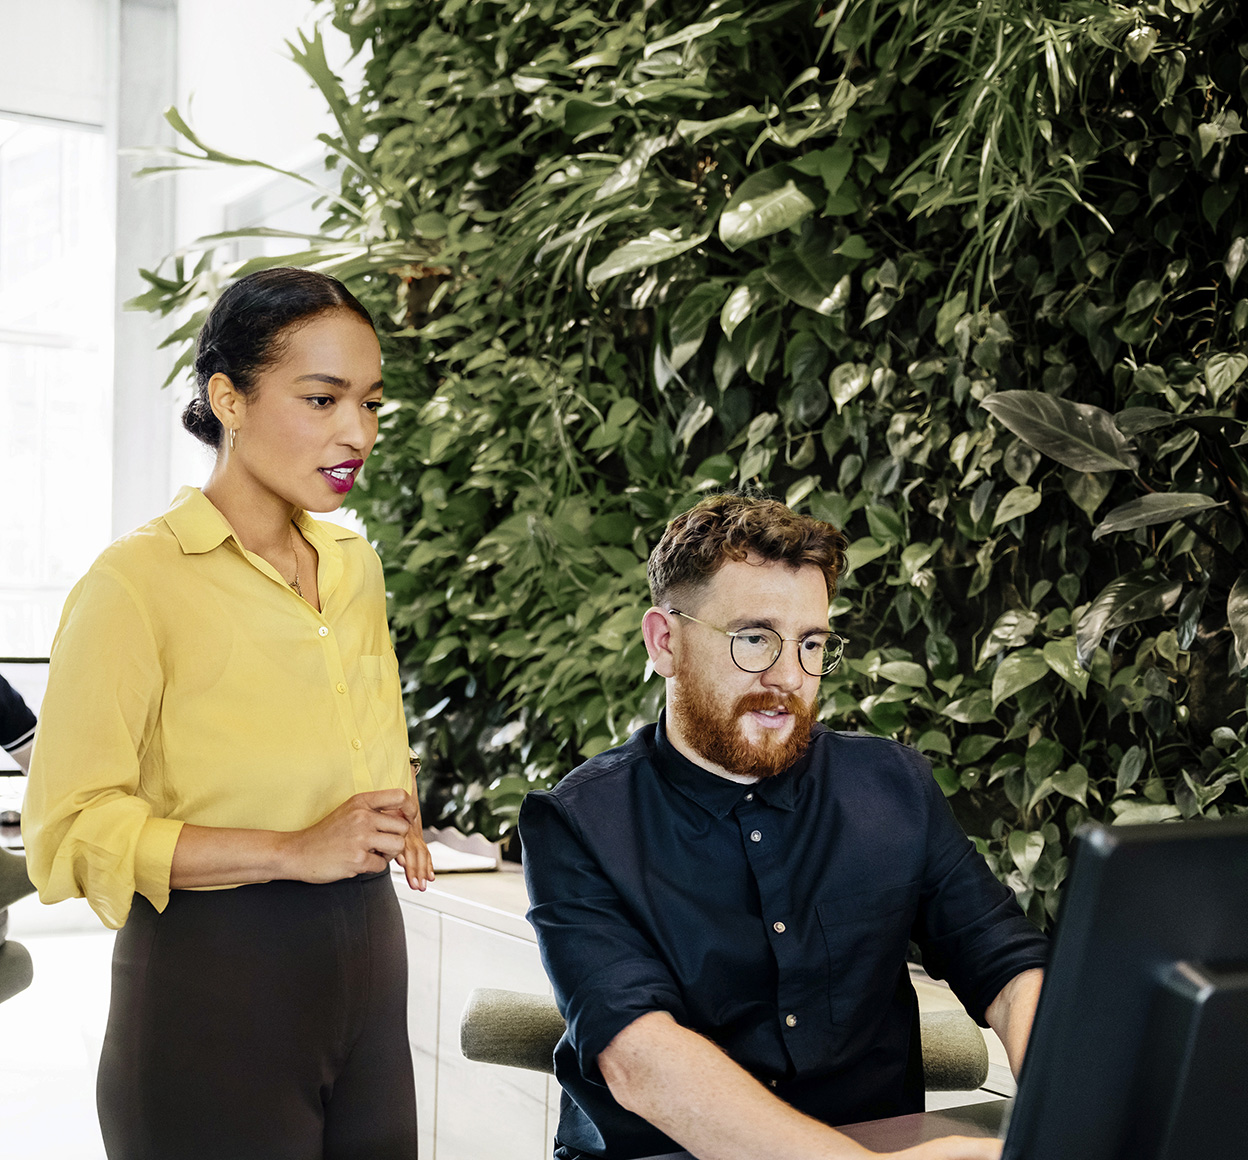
(773,919)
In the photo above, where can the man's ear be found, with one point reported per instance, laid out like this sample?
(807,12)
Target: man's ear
(656,628)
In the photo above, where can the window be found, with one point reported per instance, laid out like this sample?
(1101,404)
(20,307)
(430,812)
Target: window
(56,308)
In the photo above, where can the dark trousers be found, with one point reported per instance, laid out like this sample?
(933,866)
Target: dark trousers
(267,1022)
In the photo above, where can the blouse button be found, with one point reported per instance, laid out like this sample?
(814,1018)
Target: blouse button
(356,743)
(322,631)
(756,836)
(778,927)
(749,797)
(790,1020)
(341,687)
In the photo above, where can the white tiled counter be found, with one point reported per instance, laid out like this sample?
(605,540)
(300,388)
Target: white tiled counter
(468,931)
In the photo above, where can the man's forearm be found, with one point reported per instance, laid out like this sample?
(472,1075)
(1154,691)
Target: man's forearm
(691,1091)
(1012,1013)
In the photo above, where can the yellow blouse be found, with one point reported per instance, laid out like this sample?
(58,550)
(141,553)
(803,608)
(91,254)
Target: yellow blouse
(189,683)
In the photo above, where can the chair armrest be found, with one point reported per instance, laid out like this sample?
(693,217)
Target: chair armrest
(15,883)
(521,1030)
(510,1028)
(16,969)
(955,1056)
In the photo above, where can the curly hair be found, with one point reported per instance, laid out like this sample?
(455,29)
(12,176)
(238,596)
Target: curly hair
(733,526)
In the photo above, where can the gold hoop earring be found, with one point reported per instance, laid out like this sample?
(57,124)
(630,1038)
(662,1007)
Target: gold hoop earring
(233,435)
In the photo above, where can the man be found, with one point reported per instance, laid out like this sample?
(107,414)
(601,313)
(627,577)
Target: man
(724,903)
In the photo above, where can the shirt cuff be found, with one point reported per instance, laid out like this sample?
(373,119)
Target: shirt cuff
(153,859)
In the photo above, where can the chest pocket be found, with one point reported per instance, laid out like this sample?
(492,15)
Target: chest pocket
(385,703)
(866,936)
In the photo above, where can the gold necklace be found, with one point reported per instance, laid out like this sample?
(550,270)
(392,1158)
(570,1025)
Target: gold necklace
(295,582)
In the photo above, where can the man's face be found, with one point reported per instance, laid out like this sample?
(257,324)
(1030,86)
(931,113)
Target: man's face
(754,724)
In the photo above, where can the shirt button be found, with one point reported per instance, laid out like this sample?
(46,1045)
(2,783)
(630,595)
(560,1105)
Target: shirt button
(756,836)
(322,631)
(356,743)
(778,927)
(791,1020)
(773,1083)
(749,797)
(341,687)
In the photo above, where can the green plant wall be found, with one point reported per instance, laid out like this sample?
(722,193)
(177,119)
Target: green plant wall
(962,277)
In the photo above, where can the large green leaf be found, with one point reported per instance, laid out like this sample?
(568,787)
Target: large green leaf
(690,321)
(658,246)
(1158,508)
(1016,672)
(764,204)
(1077,435)
(1018,501)
(1062,656)
(1123,601)
(1237,614)
(694,131)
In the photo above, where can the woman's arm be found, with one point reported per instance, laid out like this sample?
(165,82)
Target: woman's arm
(359,837)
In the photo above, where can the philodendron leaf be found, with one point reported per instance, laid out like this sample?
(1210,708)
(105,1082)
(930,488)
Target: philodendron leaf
(657,246)
(1122,601)
(1237,614)
(1222,371)
(1077,435)
(1026,848)
(1018,670)
(1135,420)
(764,204)
(1158,508)
(1062,657)
(1018,501)
(691,319)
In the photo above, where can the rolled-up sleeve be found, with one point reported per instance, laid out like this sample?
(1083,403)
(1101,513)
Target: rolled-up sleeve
(604,971)
(87,831)
(969,925)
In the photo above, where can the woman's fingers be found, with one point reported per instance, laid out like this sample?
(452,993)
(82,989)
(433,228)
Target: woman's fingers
(389,799)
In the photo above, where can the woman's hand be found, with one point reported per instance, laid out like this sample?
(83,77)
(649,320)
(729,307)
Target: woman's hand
(359,837)
(415,858)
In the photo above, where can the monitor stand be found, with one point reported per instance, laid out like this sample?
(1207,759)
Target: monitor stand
(1194,1067)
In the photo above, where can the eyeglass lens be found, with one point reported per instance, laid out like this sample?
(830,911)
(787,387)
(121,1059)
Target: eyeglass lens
(757,649)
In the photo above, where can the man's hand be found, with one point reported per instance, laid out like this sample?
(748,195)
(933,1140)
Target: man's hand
(952,1148)
(1012,1012)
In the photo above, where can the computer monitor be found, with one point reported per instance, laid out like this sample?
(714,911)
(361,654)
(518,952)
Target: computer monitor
(1140,1045)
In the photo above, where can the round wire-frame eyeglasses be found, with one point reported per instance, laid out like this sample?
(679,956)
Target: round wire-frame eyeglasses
(756,649)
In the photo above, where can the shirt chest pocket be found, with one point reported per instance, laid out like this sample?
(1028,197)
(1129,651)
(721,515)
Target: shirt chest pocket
(866,936)
(385,709)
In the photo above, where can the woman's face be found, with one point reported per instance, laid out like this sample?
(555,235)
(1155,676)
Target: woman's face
(311,418)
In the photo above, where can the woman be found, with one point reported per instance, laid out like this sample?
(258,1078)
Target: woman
(223,710)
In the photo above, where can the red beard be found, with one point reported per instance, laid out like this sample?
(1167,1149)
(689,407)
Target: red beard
(717,735)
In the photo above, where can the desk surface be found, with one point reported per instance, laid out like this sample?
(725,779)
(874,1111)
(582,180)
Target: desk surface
(982,1119)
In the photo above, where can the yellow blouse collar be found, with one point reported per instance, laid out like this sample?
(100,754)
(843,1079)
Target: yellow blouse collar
(199,527)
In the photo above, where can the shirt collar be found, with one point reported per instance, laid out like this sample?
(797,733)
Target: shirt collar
(200,527)
(717,795)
